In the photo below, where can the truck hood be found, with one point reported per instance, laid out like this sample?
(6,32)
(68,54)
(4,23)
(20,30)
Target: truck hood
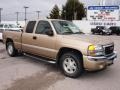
(92,39)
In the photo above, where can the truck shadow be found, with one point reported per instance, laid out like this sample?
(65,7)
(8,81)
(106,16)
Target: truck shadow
(106,73)
(40,81)
(50,67)
(53,68)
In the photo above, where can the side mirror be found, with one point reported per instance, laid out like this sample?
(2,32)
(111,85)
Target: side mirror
(49,33)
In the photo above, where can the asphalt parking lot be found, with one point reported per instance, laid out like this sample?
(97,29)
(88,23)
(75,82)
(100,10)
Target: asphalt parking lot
(25,73)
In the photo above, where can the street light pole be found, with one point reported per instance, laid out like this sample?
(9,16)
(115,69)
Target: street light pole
(38,13)
(0,13)
(25,13)
(17,13)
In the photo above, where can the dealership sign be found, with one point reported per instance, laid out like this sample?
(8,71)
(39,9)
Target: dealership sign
(103,13)
(98,23)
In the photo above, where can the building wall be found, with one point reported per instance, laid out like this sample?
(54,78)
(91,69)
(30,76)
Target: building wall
(86,26)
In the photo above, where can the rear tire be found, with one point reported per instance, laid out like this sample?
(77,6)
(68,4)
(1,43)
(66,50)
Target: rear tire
(11,49)
(72,64)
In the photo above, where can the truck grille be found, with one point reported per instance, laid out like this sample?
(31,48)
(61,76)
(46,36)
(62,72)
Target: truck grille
(109,49)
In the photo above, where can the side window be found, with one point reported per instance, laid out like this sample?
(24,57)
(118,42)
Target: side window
(30,26)
(42,27)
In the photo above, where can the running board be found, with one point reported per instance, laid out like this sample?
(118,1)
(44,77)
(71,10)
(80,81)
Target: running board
(41,58)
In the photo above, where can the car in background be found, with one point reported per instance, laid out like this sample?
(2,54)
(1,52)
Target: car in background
(11,27)
(101,30)
(115,30)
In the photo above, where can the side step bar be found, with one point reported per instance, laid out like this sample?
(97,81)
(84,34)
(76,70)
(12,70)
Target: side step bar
(41,58)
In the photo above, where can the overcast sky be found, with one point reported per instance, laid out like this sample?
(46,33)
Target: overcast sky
(12,6)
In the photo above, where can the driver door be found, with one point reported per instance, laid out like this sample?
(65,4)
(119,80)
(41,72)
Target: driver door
(45,45)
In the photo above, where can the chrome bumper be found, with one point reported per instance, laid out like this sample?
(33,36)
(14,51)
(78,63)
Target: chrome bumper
(98,63)
(108,57)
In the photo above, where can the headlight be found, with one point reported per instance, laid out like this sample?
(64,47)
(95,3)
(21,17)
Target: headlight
(95,50)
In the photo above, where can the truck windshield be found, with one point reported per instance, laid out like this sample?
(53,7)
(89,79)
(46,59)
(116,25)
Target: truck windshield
(66,27)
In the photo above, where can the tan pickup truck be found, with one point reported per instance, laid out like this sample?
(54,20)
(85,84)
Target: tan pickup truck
(63,43)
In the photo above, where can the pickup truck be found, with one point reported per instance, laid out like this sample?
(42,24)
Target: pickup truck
(62,43)
(101,30)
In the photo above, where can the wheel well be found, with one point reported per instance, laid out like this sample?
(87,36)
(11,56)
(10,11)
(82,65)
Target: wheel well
(8,40)
(65,50)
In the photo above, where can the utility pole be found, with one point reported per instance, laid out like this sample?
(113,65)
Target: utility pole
(25,7)
(0,13)
(17,14)
(38,14)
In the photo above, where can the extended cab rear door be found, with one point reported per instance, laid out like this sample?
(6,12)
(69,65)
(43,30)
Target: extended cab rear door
(27,37)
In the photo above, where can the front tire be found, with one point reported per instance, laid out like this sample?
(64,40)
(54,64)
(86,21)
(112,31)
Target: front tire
(72,65)
(11,49)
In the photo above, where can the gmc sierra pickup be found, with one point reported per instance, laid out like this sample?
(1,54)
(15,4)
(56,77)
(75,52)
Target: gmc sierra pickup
(61,42)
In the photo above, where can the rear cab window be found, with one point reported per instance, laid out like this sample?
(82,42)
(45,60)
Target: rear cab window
(30,26)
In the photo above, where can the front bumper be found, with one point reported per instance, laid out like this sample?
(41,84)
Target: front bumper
(98,63)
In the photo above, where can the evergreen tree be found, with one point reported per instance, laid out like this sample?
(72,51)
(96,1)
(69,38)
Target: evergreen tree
(73,9)
(55,13)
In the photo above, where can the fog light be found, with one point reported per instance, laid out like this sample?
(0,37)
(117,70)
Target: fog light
(101,66)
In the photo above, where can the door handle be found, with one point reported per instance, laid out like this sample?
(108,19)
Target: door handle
(34,37)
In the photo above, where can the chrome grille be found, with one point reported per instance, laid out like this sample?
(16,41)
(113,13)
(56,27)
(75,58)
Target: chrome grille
(109,49)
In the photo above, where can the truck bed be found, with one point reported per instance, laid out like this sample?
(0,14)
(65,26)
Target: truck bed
(15,36)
